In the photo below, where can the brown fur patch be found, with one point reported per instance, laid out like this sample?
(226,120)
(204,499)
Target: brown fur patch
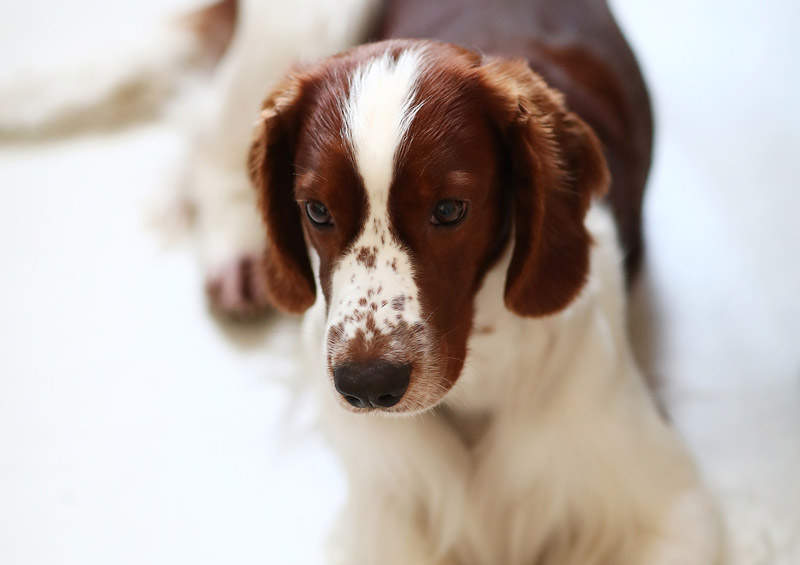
(366,257)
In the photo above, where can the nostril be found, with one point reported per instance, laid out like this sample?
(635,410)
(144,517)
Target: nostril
(390,385)
(387,400)
(354,400)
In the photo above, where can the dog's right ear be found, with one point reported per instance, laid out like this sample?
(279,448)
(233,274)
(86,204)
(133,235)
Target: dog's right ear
(290,279)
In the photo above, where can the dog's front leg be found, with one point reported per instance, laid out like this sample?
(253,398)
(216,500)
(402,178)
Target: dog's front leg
(620,490)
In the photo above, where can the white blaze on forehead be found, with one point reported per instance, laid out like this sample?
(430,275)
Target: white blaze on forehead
(373,288)
(377,115)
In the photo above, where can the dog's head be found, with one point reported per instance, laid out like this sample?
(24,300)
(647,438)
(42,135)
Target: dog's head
(391,178)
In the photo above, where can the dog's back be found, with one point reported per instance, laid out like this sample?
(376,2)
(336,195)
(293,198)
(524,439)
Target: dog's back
(578,49)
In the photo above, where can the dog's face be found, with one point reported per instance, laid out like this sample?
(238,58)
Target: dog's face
(390,179)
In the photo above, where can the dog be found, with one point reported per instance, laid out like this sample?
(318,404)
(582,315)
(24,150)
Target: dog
(455,209)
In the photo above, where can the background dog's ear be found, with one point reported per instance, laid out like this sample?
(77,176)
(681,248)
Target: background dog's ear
(290,280)
(558,166)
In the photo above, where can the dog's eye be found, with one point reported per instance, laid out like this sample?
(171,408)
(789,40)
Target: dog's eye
(318,213)
(448,212)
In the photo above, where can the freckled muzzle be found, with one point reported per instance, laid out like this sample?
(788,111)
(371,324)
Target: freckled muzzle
(385,370)
(378,347)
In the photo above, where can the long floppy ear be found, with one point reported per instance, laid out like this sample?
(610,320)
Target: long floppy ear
(558,166)
(290,280)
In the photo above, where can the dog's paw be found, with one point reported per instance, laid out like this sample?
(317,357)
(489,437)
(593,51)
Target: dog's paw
(237,289)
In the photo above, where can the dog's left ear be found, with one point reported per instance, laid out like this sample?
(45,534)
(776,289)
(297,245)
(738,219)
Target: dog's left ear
(290,280)
(558,166)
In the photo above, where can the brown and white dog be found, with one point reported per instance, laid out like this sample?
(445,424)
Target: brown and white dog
(455,209)
(441,210)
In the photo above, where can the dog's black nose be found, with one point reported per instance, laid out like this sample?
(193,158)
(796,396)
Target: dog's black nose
(378,384)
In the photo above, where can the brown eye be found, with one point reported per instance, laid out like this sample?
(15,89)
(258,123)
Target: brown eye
(448,212)
(318,213)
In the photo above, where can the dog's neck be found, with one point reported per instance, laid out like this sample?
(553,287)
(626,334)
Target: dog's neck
(537,358)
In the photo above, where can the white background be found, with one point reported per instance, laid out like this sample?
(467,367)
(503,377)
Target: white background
(135,429)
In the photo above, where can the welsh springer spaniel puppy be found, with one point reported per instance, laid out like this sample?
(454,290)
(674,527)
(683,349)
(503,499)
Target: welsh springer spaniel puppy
(441,210)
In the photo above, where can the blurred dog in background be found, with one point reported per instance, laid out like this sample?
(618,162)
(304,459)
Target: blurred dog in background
(207,71)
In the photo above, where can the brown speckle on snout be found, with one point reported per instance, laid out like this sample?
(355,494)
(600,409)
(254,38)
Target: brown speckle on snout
(366,257)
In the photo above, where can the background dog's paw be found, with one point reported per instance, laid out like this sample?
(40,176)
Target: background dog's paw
(237,289)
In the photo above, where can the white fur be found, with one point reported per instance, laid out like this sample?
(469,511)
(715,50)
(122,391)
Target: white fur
(376,117)
(121,83)
(574,459)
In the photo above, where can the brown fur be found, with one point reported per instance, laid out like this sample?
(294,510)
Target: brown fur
(558,166)
(290,281)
